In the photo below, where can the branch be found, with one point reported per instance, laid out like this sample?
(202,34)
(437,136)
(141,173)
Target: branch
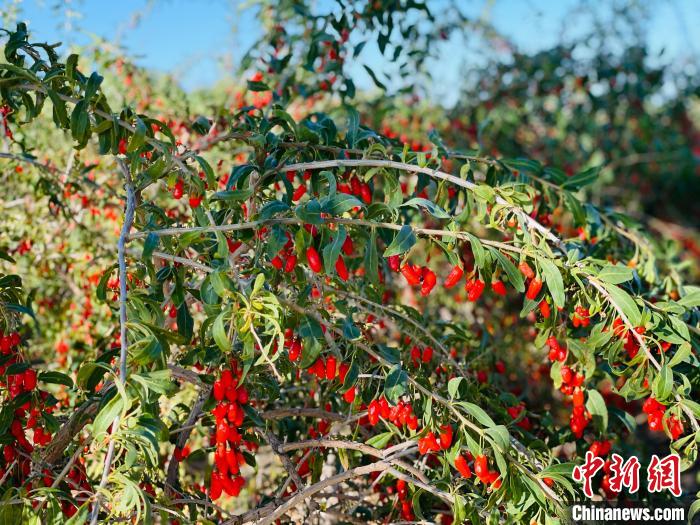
(121,255)
(351,445)
(295,500)
(286,462)
(431,173)
(302,412)
(28,160)
(62,438)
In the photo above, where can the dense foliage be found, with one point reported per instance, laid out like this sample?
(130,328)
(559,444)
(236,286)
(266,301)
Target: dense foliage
(282,301)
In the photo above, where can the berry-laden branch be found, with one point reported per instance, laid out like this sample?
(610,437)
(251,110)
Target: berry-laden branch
(423,390)
(412,168)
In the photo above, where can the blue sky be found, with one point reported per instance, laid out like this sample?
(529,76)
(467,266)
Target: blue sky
(195,39)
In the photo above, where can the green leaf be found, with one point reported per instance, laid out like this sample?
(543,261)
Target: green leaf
(257,86)
(310,327)
(432,208)
(459,509)
(615,274)
(453,387)
(107,415)
(59,109)
(149,245)
(598,409)
(554,281)
(17,368)
(351,376)
(232,195)
(339,203)
(139,137)
(93,84)
(80,123)
(478,413)
(581,179)
(514,276)
(380,440)
(477,250)
(395,384)
(625,302)
(374,78)
(681,354)
(185,323)
(273,208)
(690,300)
(625,418)
(500,436)
(331,251)
(403,241)
(58,378)
(576,208)
(662,385)
(309,353)
(350,330)
(219,333)
(310,212)
(353,125)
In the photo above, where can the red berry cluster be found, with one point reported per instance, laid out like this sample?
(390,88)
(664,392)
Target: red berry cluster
(462,464)
(425,356)
(286,259)
(655,412)
(228,413)
(486,476)
(431,443)
(580,417)
(416,275)
(535,283)
(406,504)
(515,412)
(27,417)
(358,188)
(570,380)
(631,344)
(400,414)
(556,352)
(4,112)
(474,288)
(581,317)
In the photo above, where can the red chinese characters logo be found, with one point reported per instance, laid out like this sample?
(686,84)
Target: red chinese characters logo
(665,474)
(624,474)
(662,473)
(585,473)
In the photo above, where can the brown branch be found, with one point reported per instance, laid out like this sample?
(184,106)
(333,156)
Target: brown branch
(276,447)
(302,412)
(270,516)
(65,434)
(351,445)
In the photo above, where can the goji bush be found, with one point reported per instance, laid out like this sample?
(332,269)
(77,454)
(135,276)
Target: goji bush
(264,310)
